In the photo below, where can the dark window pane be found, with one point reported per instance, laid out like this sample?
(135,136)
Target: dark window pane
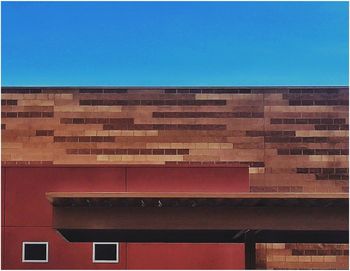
(35,252)
(105,252)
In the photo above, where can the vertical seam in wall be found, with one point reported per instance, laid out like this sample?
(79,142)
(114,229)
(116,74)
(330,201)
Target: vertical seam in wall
(3,214)
(126,179)
(264,157)
(126,256)
(126,190)
(264,138)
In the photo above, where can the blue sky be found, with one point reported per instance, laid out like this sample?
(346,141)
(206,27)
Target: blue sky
(174,43)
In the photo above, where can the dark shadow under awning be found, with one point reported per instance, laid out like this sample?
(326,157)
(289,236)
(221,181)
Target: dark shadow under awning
(201,217)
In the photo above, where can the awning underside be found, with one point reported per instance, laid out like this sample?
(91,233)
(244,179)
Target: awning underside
(201,217)
(201,236)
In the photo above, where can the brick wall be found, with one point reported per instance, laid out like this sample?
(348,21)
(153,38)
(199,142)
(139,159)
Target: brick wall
(302,256)
(293,139)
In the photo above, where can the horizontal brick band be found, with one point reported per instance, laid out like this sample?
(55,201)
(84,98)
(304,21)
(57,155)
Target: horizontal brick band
(308,121)
(208,114)
(270,133)
(311,139)
(312,151)
(332,177)
(151,102)
(323,170)
(317,95)
(44,132)
(164,127)
(318,102)
(99,90)
(27,114)
(123,121)
(129,151)
(321,252)
(332,127)
(276,189)
(285,90)
(84,139)
(8,102)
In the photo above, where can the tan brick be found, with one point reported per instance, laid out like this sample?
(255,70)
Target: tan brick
(214,145)
(330,258)
(317,259)
(292,259)
(304,258)
(278,246)
(224,146)
(279,258)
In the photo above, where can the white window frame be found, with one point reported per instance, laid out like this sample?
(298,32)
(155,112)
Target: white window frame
(105,261)
(35,261)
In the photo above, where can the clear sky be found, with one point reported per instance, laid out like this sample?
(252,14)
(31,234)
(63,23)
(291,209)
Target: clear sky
(174,43)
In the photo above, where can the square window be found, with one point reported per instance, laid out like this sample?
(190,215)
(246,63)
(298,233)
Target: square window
(35,252)
(105,252)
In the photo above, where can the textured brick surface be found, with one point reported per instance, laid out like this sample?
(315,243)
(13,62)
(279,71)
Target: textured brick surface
(293,139)
(302,256)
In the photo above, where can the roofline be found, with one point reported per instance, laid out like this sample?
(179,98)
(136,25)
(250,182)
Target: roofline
(174,87)
(185,165)
(196,195)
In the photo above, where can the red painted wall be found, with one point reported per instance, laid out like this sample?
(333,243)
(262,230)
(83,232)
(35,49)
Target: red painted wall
(185,256)
(187,179)
(27,215)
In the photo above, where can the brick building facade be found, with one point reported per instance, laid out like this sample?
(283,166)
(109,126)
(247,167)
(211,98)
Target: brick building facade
(293,139)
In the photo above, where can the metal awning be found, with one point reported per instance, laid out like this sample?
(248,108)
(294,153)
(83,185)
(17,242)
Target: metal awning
(200,217)
(186,199)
